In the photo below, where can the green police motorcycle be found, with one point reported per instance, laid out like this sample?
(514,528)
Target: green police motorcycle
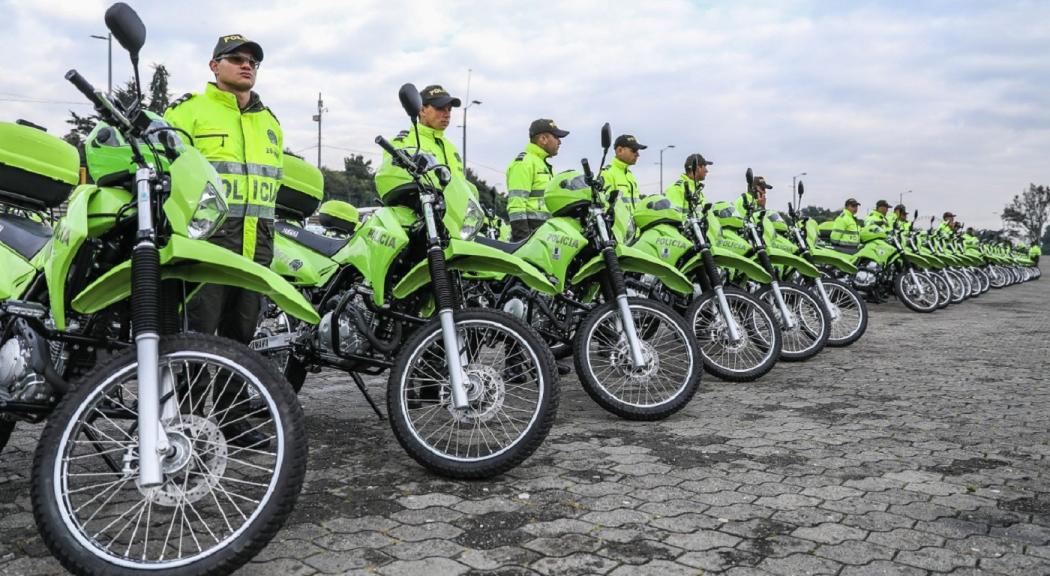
(137,470)
(471,392)
(847,310)
(803,319)
(634,356)
(738,335)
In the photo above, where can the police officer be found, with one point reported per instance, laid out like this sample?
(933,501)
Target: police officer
(947,227)
(899,214)
(242,139)
(527,178)
(755,196)
(877,217)
(618,174)
(434,118)
(691,181)
(1035,252)
(845,231)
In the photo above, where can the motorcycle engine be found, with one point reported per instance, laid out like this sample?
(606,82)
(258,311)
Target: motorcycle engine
(351,340)
(19,380)
(863,279)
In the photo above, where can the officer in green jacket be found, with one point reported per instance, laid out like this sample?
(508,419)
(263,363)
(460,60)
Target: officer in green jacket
(845,231)
(692,180)
(755,197)
(1034,253)
(618,174)
(242,139)
(947,227)
(527,178)
(899,214)
(433,120)
(877,217)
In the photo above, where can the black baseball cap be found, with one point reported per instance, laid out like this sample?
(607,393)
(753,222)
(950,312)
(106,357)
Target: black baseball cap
(233,42)
(852,202)
(435,95)
(882,204)
(900,208)
(546,125)
(760,182)
(628,141)
(694,161)
(948,215)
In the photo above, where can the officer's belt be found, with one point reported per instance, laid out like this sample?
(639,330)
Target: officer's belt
(515,216)
(243,169)
(251,211)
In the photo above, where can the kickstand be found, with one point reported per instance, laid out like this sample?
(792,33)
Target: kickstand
(361,386)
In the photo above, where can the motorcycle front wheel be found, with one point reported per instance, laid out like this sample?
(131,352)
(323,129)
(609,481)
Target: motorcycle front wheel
(512,390)
(756,351)
(230,478)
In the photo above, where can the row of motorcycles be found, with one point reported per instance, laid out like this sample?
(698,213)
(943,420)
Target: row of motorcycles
(172,452)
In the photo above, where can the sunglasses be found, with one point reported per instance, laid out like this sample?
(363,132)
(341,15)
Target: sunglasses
(239,60)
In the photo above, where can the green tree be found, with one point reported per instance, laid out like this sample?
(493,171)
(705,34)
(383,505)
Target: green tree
(159,97)
(1028,213)
(360,181)
(818,213)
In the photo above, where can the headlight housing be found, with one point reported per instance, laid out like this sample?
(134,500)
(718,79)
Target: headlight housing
(209,215)
(472,221)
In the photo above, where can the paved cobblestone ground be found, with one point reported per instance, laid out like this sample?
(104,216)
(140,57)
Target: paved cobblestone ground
(922,449)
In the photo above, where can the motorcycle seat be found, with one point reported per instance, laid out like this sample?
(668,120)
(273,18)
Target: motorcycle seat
(24,236)
(316,242)
(508,247)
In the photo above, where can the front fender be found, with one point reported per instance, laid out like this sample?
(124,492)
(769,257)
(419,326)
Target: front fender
(917,259)
(728,259)
(469,256)
(202,262)
(634,260)
(835,259)
(781,258)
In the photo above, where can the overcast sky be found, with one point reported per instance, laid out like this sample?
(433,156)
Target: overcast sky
(871,99)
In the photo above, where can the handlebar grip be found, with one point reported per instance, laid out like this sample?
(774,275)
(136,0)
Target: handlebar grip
(83,86)
(587,170)
(385,145)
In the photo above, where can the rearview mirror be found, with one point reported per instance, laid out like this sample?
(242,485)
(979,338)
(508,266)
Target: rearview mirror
(750,177)
(801,190)
(127,28)
(410,99)
(606,136)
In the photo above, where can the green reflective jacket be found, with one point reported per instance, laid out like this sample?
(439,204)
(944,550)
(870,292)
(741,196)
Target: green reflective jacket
(876,218)
(676,192)
(246,149)
(433,142)
(527,178)
(1035,250)
(618,175)
(845,231)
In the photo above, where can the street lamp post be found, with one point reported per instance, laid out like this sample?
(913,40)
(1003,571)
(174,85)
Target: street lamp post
(900,197)
(465,108)
(662,166)
(109,39)
(794,179)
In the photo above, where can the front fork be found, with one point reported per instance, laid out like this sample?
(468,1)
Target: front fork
(832,309)
(446,307)
(145,307)
(716,281)
(612,266)
(778,296)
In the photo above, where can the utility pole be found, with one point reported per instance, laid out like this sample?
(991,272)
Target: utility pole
(900,196)
(793,198)
(109,39)
(661,191)
(465,108)
(317,118)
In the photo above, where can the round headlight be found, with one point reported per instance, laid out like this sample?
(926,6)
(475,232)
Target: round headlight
(472,221)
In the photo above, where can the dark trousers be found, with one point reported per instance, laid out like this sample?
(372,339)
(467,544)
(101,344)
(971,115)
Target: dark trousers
(227,311)
(522,229)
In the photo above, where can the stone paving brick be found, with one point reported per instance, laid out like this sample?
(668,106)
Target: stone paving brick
(936,462)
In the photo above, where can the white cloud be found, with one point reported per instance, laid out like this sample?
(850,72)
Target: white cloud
(871,100)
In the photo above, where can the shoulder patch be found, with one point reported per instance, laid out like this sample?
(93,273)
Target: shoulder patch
(520,157)
(181,99)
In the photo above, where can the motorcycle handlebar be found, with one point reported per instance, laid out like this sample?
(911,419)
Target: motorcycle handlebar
(84,87)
